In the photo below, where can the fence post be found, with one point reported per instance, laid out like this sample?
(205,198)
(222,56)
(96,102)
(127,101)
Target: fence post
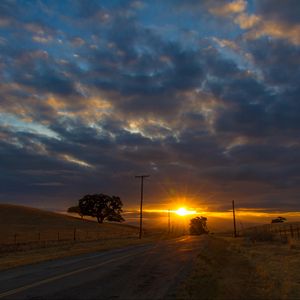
(292,231)
(298,233)
(74,234)
(286,233)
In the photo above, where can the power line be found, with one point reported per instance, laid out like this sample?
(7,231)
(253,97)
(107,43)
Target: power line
(141,205)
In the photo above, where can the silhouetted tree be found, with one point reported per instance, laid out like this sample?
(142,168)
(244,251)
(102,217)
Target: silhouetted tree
(279,220)
(102,206)
(198,226)
(75,209)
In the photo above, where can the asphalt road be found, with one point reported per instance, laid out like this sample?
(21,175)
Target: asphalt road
(151,271)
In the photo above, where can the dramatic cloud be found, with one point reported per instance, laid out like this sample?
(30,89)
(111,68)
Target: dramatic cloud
(202,95)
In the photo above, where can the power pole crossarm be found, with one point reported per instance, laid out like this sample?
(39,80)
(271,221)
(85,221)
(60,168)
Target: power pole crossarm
(141,204)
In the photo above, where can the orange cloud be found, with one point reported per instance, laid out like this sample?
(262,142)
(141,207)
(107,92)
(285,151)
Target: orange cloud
(246,21)
(234,7)
(257,25)
(277,30)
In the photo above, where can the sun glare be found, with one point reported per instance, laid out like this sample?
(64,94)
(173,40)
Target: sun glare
(182,211)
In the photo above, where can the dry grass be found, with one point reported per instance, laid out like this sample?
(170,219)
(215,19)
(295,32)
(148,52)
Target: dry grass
(14,259)
(273,232)
(31,224)
(277,265)
(230,268)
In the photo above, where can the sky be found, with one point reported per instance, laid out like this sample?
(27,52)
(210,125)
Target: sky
(203,96)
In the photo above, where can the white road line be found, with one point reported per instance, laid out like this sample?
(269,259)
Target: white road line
(183,239)
(38,283)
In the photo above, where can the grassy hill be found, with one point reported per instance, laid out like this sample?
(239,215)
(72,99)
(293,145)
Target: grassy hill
(24,224)
(29,235)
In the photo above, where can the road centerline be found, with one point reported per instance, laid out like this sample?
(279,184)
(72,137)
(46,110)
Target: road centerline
(57,277)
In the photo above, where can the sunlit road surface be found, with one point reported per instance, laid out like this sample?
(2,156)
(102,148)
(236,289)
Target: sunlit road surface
(151,271)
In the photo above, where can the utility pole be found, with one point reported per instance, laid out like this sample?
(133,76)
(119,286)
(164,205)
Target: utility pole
(169,221)
(234,224)
(141,206)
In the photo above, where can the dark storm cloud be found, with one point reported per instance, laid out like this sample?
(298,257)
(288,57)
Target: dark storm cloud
(255,107)
(240,88)
(136,62)
(143,62)
(144,69)
(266,153)
(281,71)
(279,64)
(198,148)
(281,10)
(47,80)
(115,94)
(21,167)
(245,119)
(33,171)
(37,70)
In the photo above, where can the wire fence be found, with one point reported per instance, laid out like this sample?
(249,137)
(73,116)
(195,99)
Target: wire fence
(20,241)
(282,231)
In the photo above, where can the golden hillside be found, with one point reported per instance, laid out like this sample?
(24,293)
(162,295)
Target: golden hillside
(30,224)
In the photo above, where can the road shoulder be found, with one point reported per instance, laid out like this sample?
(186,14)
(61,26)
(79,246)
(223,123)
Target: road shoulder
(235,269)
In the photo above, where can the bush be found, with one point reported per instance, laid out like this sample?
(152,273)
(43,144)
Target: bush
(198,226)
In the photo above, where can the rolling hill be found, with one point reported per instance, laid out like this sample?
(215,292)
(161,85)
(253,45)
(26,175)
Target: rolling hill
(30,224)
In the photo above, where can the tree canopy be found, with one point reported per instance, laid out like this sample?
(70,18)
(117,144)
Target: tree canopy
(74,209)
(279,220)
(198,226)
(101,206)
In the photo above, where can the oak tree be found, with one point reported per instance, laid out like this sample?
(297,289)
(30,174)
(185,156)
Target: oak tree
(198,226)
(102,207)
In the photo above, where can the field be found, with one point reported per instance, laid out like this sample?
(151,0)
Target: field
(29,235)
(262,264)
(277,231)
(23,224)
(243,268)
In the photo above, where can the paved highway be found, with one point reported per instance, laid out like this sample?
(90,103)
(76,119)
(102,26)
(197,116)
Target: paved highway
(151,271)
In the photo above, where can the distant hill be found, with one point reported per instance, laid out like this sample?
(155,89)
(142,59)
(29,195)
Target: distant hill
(32,223)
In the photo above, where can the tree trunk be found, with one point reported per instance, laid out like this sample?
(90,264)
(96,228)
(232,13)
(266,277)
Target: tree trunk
(100,219)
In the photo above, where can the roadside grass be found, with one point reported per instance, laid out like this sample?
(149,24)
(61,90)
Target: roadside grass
(14,259)
(37,236)
(229,268)
(19,224)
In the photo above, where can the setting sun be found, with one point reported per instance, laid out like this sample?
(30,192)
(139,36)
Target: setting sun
(182,211)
